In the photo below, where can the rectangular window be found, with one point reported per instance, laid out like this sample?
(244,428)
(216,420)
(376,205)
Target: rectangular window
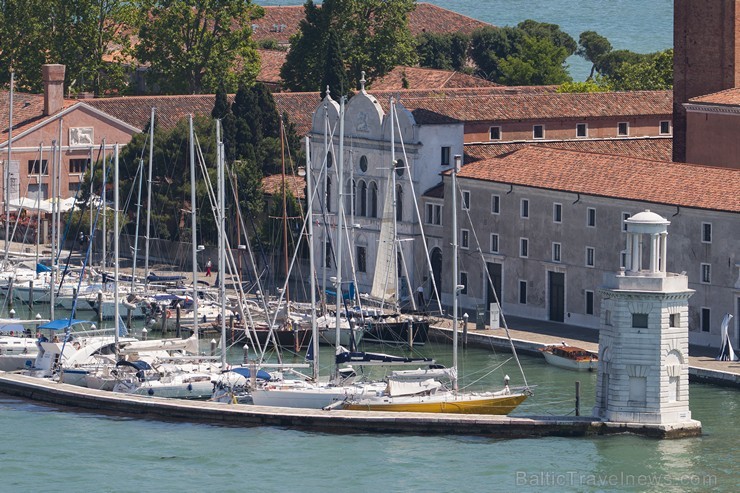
(665,127)
(524,209)
(361,259)
(640,320)
(494,243)
(581,130)
(495,133)
(538,131)
(465,200)
(557,213)
(706,319)
(433,214)
(464,282)
(556,252)
(445,161)
(78,165)
(523,247)
(623,258)
(495,204)
(706,273)
(625,216)
(623,129)
(589,302)
(464,239)
(706,232)
(674,320)
(591,217)
(607,317)
(34,167)
(590,254)
(523,292)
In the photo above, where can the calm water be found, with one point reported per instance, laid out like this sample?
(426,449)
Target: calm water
(637,25)
(58,450)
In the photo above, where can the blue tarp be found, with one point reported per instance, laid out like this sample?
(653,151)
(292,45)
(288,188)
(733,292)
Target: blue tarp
(62,323)
(261,374)
(42,268)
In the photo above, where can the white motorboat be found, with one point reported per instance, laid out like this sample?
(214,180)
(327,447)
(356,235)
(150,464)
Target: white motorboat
(570,357)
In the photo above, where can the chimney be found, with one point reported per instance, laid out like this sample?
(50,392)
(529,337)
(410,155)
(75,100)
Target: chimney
(53,75)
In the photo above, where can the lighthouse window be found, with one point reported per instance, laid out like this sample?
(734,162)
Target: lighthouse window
(674,320)
(640,320)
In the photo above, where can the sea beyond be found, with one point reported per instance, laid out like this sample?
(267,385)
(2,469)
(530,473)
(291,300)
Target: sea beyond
(636,25)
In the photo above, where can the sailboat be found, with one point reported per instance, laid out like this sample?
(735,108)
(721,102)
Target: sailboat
(426,390)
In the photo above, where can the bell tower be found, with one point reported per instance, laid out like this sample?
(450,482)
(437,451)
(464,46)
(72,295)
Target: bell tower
(644,339)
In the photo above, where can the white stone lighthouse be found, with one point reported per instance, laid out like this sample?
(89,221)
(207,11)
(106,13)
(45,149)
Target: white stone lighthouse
(644,339)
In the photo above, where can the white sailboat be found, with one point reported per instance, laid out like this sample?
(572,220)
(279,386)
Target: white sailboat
(436,390)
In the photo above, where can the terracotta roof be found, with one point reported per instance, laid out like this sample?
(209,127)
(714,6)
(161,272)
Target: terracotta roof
(426,78)
(136,110)
(543,106)
(280,23)
(657,148)
(28,110)
(730,97)
(273,184)
(270,63)
(660,182)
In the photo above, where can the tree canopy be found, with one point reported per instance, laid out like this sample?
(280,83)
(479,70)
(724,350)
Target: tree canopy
(375,38)
(531,53)
(443,51)
(193,46)
(84,35)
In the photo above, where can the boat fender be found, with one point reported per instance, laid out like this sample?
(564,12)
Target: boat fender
(190,387)
(150,391)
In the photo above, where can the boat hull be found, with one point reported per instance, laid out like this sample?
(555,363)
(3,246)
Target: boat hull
(569,364)
(461,404)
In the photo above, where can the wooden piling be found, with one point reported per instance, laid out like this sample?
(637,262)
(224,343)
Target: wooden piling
(578,398)
(100,309)
(178,327)
(30,296)
(10,294)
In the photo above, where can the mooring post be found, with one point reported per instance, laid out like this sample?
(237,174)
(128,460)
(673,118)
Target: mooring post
(30,295)
(129,316)
(100,308)
(246,354)
(231,327)
(213,347)
(465,329)
(578,398)
(144,334)
(178,313)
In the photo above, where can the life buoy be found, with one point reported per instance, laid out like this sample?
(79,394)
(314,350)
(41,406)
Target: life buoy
(76,345)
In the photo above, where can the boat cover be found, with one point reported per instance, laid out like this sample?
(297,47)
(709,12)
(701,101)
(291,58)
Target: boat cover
(62,323)
(261,374)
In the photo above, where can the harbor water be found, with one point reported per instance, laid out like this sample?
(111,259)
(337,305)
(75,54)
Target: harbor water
(56,449)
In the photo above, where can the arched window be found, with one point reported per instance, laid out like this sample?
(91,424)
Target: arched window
(362,199)
(399,203)
(328,194)
(373,200)
(400,167)
(349,193)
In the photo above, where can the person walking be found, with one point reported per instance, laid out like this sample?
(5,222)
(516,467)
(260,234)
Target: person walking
(209,265)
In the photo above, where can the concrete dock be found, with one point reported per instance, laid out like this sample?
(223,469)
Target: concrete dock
(529,336)
(335,421)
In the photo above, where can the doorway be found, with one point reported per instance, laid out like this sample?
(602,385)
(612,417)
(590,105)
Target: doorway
(556,285)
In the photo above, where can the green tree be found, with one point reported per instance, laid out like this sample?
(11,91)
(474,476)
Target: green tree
(610,63)
(81,34)
(529,54)
(334,74)
(375,38)
(595,84)
(654,72)
(443,51)
(192,46)
(592,47)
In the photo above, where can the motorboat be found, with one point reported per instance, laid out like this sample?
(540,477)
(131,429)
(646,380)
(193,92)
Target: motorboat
(570,357)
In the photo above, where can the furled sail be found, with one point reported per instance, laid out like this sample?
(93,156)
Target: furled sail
(385,277)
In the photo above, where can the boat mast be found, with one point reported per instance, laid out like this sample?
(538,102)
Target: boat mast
(325,170)
(6,186)
(103,197)
(192,224)
(394,164)
(340,218)
(458,287)
(311,266)
(38,205)
(136,233)
(90,201)
(221,240)
(149,202)
(285,219)
(52,183)
(116,308)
